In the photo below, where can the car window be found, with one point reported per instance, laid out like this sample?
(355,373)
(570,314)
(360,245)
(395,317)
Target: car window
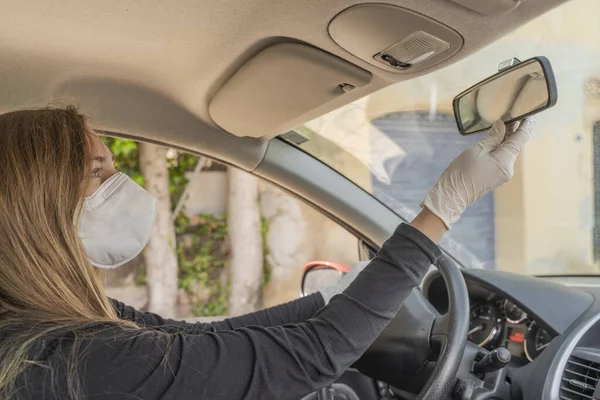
(396,142)
(196,206)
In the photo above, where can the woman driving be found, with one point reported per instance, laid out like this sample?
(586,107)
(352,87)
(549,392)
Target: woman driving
(65,212)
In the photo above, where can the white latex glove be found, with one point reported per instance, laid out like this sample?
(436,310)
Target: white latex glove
(478,170)
(346,280)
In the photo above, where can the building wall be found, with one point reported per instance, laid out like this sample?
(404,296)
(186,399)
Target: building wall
(299,234)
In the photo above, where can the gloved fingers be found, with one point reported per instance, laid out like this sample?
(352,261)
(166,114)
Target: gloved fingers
(515,141)
(511,128)
(494,136)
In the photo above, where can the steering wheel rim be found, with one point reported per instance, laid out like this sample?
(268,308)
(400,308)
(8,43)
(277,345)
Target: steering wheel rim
(449,331)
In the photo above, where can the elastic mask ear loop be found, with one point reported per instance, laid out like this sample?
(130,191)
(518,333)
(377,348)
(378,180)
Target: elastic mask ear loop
(107,189)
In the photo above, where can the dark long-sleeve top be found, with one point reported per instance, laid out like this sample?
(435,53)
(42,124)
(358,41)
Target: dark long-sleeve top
(283,352)
(289,313)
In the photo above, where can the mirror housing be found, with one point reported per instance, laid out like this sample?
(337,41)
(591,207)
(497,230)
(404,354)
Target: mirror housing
(320,274)
(519,90)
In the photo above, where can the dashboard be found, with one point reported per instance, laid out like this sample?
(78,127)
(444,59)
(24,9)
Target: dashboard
(551,326)
(500,322)
(523,314)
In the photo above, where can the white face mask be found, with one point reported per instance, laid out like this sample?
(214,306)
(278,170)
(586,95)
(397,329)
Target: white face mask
(116,221)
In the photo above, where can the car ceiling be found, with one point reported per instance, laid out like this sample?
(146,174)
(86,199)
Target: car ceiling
(149,69)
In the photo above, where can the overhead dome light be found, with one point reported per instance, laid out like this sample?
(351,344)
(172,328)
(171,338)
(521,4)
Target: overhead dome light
(415,49)
(393,38)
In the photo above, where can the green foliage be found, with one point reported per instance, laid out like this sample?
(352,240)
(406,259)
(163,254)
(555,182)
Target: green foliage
(264,228)
(126,157)
(201,241)
(179,165)
(201,255)
(141,278)
(216,306)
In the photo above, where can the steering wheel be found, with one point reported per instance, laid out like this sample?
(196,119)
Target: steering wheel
(450,332)
(402,354)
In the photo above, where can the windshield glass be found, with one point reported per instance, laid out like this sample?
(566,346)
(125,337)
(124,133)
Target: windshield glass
(396,142)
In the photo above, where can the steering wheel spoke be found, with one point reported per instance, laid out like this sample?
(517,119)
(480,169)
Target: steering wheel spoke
(441,325)
(439,335)
(448,335)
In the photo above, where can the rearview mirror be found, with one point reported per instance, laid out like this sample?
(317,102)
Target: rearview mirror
(510,95)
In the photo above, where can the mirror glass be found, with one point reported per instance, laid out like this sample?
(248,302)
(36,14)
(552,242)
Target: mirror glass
(509,96)
(316,279)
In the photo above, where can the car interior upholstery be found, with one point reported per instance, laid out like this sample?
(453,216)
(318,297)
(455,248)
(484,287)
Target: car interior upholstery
(155,58)
(195,75)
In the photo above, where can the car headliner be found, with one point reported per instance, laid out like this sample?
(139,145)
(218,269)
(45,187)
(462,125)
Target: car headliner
(149,69)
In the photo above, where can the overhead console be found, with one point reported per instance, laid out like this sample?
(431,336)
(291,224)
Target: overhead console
(393,38)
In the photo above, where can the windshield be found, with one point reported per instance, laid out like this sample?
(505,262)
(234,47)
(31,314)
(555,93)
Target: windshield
(396,142)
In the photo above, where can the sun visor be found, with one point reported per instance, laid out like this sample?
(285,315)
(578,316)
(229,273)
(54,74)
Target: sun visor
(269,94)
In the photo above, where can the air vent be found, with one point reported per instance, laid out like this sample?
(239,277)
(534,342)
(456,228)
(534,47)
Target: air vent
(579,379)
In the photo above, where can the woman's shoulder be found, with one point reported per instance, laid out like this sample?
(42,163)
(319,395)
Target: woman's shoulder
(95,351)
(59,337)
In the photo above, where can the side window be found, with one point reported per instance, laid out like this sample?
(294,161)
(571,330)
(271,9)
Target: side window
(215,226)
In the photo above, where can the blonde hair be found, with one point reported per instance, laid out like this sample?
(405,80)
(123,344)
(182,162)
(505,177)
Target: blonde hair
(46,281)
